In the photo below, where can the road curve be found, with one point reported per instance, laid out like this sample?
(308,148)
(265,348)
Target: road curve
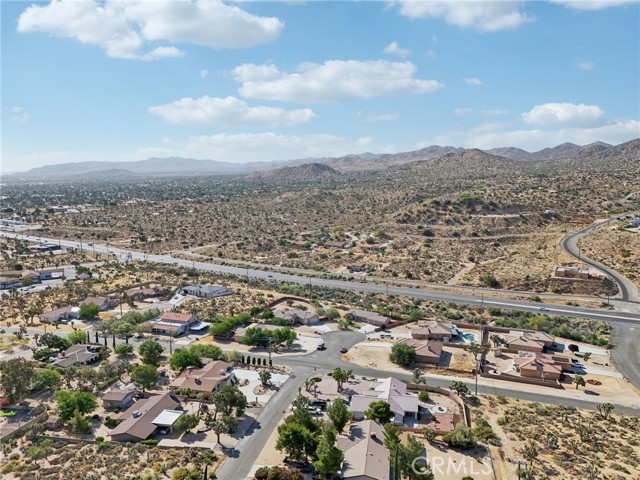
(628,290)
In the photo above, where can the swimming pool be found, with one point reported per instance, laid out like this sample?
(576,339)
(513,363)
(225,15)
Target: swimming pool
(470,337)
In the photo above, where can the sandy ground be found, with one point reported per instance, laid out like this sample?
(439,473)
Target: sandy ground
(303,344)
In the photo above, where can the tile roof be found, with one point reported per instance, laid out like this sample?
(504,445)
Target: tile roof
(204,379)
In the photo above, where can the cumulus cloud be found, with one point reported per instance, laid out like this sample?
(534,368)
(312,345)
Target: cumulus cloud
(204,73)
(593,4)
(122,28)
(333,80)
(568,114)
(481,15)
(473,81)
(228,112)
(585,65)
(377,117)
(394,49)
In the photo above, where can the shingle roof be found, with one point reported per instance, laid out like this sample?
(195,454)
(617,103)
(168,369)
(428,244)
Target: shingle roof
(142,426)
(203,379)
(364,452)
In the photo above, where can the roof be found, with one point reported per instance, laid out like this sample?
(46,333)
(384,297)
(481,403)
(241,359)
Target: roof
(364,452)
(142,426)
(389,390)
(368,315)
(167,417)
(204,379)
(424,348)
(541,361)
(58,312)
(75,354)
(177,317)
(434,327)
(207,289)
(99,301)
(524,341)
(116,395)
(143,291)
(296,313)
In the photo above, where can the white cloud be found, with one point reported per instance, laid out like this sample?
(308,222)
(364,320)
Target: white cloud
(122,27)
(486,137)
(394,49)
(332,81)
(228,112)
(496,111)
(563,114)
(268,146)
(18,115)
(377,117)
(481,15)
(461,112)
(204,73)
(430,53)
(473,81)
(585,65)
(593,4)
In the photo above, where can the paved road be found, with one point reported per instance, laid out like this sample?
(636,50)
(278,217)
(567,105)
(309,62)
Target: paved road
(628,290)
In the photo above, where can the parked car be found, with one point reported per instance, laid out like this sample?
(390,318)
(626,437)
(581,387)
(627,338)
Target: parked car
(321,346)
(386,335)
(344,350)
(163,431)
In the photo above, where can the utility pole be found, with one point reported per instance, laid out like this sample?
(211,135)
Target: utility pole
(481,299)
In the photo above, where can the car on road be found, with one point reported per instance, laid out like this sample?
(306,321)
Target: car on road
(542,309)
(269,276)
(344,350)
(321,346)
(90,244)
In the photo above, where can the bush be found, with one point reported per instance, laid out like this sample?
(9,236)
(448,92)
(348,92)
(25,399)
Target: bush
(149,441)
(110,422)
(424,396)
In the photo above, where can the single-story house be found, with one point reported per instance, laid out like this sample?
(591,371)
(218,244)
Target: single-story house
(103,303)
(239,333)
(532,341)
(78,355)
(427,351)
(144,417)
(206,291)
(208,379)
(358,268)
(138,294)
(59,314)
(52,422)
(51,273)
(10,282)
(575,272)
(113,399)
(435,330)
(389,390)
(297,315)
(341,245)
(539,365)
(16,278)
(365,456)
(372,318)
(173,323)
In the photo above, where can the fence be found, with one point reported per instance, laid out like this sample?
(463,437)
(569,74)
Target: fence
(8,432)
(466,414)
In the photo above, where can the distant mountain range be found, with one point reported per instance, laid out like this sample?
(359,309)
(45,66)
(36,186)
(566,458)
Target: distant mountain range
(564,154)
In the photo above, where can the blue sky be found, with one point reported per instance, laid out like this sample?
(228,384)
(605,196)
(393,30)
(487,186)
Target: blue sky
(250,81)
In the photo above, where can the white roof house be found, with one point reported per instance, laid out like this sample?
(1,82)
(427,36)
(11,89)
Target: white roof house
(389,390)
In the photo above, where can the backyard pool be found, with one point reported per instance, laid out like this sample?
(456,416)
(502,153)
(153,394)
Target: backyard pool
(470,337)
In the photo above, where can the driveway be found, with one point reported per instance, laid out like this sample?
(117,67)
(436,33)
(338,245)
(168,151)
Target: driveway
(277,379)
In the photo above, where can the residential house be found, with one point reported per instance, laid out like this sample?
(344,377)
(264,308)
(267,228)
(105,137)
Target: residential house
(542,365)
(373,247)
(427,351)
(78,355)
(577,273)
(358,268)
(139,294)
(365,456)
(62,314)
(372,318)
(530,341)
(206,291)
(103,303)
(51,273)
(239,333)
(145,417)
(297,315)
(173,323)
(10,282)
(435,330)
(392,391)
(117,399)
(208,379)
(16,278)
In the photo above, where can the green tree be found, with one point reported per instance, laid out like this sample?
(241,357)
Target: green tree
(123,350)
(380,411)
(265,377)
(460,388)
(47,379)
(69,401)
(183,359)
(206,350)
(229,399)
(497,340)
(88,311)
(416,376)
(605,409)
(16,376)
(530,452)
(423,396)
(144,376)
(332,313)
(329,457)
(461,437)
(340,375)
(296,440)
(402,354)
(225,425)
(186,422)
(76,337)
(150,352)
(579,381)
(339,414)
(79,423)
(429,434)
(56,342)
(410,467)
